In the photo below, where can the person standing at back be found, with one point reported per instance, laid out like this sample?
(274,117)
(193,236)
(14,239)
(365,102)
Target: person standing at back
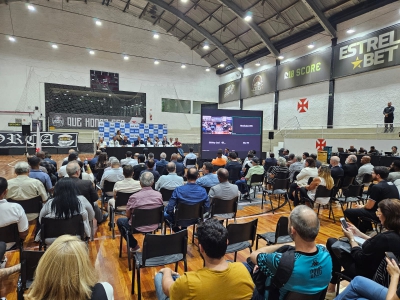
(388,112)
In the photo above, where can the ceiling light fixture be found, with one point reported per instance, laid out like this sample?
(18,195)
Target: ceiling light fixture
(221,65)
(206,46)
(156,35)
(311,46)
(183,66)
(280,57)
(248,17)
(184,1)
(350,31)
(240,68)
(258,64)
(207,69)
(156,62)
(98,23)
(126,57)
(11,39)
(54,46)
(31,7)
(91,52)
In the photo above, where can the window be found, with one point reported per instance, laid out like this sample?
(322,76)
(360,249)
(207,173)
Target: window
(175,106)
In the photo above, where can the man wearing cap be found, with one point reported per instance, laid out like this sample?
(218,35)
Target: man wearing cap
(256,169)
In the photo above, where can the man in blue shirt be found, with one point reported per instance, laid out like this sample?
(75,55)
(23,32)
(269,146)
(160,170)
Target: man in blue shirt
(180,170)
(313,264)
(36,173)
(190,194)
(208,179)
(190,155)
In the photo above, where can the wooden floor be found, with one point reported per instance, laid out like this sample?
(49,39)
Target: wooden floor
(103,250)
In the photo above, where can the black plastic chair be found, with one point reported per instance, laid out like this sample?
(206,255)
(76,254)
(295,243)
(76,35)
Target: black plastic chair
(29,261)
(321,192)
(376,224)
(191,162)
(107,188)
(10,234)
(239,236)
(30,206)
(367,180)
(185,212)
(280,236)
(216,168)
(351,195)
(121,200)
(297,296)
(256,180)
(294,176)
(166,194)
(220,207)
(159,250)
(279,187)
(53,228)
(139,218)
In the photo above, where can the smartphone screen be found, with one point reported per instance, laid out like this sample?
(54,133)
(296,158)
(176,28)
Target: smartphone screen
(344,223)
(391,256)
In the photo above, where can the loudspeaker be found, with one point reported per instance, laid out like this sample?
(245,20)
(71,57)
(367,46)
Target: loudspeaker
(26,130)
(271,135)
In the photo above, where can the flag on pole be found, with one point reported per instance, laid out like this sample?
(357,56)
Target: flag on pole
(38,139)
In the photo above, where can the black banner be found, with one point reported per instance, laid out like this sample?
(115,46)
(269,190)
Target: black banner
(258,84)
(48,139)
(229,91)
(376,50)
(84,121)
(305,70)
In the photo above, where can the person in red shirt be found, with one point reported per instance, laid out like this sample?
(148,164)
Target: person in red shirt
(177,143)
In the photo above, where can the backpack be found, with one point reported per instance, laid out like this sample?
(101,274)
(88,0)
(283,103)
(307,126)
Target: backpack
(282,275)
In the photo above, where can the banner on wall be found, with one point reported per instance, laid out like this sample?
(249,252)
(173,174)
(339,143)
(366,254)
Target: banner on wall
(229,91)
(108,129)
(84,121)
(305,70)
(379,49)
(258,84)
(48,139)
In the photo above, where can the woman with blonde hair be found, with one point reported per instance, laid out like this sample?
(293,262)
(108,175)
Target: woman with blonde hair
(65,272)
(324,178)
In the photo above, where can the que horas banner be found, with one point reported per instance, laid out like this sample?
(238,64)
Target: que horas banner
(12,139)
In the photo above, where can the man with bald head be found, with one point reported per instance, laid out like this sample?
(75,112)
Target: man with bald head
(180,169)
(336,170)
(86,189)
(224,190)
(170,181)
(312,266)
(189,194)
(366,168)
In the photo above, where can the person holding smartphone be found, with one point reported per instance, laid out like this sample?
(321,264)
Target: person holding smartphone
(364,260)
(364,288)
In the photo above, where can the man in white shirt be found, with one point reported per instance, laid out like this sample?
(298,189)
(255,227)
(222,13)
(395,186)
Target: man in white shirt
(62,172)
(11,213)
(190,155)
(128,185)
(114,142)
(101,145)
(69,152)
(128,160)
(114,174)
(366,168)
(170,181)
(24,188)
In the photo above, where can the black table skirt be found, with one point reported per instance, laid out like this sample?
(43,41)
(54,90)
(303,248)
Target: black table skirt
(119,152)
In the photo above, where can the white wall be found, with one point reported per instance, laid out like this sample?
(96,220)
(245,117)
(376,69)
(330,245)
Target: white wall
(317,114)
(26,64)
(230,105)
(264,103)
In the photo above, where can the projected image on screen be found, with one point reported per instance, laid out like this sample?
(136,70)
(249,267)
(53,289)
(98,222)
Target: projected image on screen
(237,130)
(216,125)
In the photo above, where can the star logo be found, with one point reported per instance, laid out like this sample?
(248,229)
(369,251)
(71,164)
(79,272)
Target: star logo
(357,63)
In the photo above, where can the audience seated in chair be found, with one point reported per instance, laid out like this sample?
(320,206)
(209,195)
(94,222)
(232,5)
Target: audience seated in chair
(366,168)
(170,181)
(209,179)
(128,160)
(219,161)
(219,279)
(51,169)
(394,171)
(190,156)
(312,266)
(295,167)
(317,162)
(365,260)
(279,168)
(36,173)
(114,174)
(350,167)
(224,190)
(377,192)
(23,188)
(150,168)
(66,203)
(189,194)
(270,162)
(324,178)
(336,170)
(11,213)
(180,169)
(146,198)
(71,157)
(5,272)
(73,267)
(243,183)
(302,178)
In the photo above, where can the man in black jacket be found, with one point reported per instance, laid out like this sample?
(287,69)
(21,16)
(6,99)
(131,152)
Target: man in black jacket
(86,189)
(336,170)
(141,166)
(350,168)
